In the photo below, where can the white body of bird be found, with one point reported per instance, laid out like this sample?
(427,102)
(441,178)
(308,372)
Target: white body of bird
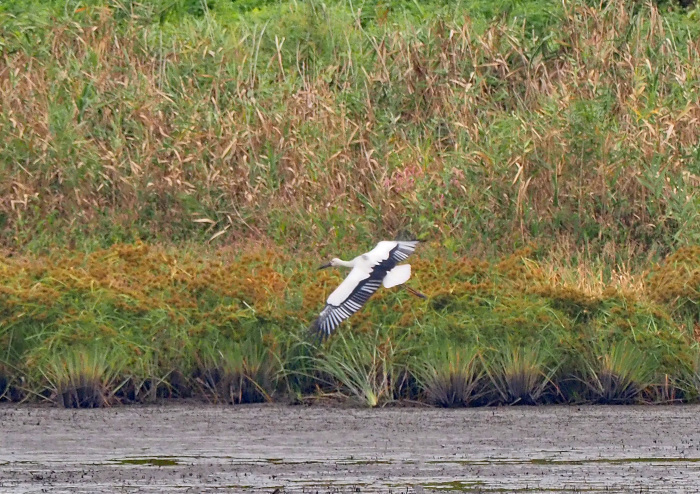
(369,271)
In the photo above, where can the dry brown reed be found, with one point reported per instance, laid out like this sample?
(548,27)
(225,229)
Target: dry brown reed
(584,134)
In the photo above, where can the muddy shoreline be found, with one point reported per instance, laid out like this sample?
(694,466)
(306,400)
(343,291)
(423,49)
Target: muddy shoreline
(260,448)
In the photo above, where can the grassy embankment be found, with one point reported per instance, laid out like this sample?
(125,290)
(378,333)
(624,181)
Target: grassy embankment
(241,145)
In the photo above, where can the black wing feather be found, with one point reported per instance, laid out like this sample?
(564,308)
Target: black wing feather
(403,249)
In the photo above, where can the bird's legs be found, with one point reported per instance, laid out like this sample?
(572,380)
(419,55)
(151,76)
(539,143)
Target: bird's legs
(415,292)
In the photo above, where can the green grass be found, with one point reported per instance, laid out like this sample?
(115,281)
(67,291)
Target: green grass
(80,377)
(619,374)
(519,375)
(451,376)
(367,369)
(243,372)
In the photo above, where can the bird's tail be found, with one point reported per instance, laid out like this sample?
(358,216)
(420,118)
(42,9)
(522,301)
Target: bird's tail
(415,292)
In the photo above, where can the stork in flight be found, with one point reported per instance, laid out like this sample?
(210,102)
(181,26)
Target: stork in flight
(376,267)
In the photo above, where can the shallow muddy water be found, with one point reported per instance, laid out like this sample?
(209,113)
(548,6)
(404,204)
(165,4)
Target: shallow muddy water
(195,448)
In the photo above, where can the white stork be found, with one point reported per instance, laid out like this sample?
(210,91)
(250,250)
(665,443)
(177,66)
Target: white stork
(376,267)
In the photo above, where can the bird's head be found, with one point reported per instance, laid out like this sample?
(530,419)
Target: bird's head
(332,263)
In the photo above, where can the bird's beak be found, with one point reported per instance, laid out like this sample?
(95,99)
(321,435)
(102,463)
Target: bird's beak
(327,265)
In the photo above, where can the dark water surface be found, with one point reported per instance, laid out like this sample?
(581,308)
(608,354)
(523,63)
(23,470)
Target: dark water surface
(195,448)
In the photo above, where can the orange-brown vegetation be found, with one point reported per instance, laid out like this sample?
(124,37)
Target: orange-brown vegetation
(184,310)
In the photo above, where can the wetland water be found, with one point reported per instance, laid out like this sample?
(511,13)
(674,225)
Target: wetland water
(196,448)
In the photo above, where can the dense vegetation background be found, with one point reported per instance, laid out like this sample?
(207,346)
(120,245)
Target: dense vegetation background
(171,172)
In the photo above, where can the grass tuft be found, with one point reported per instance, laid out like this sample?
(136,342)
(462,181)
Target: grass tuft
(81,377)
(237,372)
(619,375)
(519,375)
(367,369)
(147,379)
(5,383)
(451,376)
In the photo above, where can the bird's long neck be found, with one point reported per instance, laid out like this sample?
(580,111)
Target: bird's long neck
(346,264)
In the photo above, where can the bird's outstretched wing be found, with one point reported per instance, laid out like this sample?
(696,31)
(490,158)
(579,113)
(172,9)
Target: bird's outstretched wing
(347,299)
